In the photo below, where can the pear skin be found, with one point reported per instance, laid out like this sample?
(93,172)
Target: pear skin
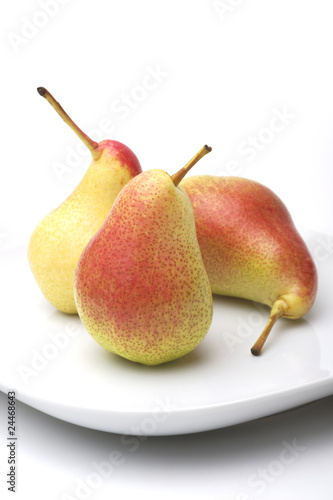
(58,240)
(250,246)
(140,287)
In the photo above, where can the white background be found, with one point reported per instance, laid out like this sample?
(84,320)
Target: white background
(223,76)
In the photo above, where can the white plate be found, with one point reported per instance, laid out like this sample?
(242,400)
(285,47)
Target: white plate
(54,365)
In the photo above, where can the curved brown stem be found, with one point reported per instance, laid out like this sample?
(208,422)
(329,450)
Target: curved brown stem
(178,176)
(277,311)
(91,145)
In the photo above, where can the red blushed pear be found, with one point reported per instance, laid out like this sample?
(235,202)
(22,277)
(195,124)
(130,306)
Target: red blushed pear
(141,288)
(58,240)
(251,247)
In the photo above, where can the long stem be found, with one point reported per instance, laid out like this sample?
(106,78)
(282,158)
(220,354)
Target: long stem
(178,176)
(91,145)
(277,311)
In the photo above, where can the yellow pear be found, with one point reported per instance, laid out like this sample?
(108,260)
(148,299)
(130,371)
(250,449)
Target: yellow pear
(58,240)
(141,288)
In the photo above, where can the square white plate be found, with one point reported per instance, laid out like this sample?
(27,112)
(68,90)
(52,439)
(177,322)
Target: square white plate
(53,364)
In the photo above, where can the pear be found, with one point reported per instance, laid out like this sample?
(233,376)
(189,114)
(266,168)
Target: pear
(140,287)
(58,240)
(251,247)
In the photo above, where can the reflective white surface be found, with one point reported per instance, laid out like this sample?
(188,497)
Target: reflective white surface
(59,369)
(241,462)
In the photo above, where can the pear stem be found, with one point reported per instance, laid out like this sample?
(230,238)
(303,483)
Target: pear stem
(278,310)
(91,145)
(178,176)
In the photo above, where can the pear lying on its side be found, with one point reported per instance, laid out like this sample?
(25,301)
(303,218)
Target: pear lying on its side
(140,287)
(250,246)
(58,240)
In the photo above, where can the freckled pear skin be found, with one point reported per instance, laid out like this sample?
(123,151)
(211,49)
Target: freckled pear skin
(250,246)
(58,240)
(141,289)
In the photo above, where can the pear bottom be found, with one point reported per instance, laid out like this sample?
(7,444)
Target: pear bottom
(151,346)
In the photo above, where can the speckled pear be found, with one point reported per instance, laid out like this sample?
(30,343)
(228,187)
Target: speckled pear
(140,287)
(58,240)
(251,247)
